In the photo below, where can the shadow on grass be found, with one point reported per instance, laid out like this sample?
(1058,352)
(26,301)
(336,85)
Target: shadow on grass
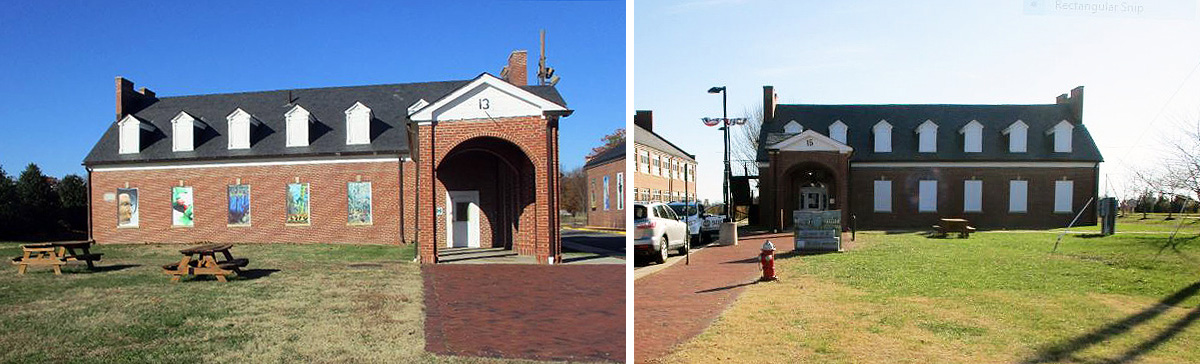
(1065,350)
(107,268)
(244,275)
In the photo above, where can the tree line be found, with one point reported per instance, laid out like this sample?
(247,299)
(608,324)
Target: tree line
(34,206)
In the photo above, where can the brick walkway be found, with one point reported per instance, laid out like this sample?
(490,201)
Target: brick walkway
(678,303)
(574,313)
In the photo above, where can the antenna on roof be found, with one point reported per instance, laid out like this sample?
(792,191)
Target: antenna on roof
(545,74)
(290,99)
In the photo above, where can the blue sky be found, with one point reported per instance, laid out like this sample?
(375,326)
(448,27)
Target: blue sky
(1135,67)
(59,58)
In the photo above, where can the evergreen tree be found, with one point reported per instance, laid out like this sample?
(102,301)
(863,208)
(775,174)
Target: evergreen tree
(38,209)
(8,205)
(72,195)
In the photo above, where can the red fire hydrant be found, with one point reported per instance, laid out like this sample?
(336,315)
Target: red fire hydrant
(767,260)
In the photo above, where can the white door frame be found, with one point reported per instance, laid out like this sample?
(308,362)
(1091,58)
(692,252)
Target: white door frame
(471,197)
(822,194)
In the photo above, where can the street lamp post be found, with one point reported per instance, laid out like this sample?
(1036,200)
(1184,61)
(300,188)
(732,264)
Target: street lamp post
(725,127)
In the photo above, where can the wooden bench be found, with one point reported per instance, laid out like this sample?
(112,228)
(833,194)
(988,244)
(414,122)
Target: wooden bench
(55,255)
(960,226)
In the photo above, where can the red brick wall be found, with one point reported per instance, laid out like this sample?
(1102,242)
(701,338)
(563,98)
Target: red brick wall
(533,136)
(598,216)
(328,204)
(994,215)
(409,183)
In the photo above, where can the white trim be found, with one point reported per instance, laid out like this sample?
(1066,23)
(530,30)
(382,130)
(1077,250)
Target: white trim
(358,130)
(426,114)
(188,132)
(306,161)
(843,131)
(416,106)
(969,164)
(297,135)
(927,137)
(820,143)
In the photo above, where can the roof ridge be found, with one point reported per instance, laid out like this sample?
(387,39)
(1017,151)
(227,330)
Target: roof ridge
(312,89)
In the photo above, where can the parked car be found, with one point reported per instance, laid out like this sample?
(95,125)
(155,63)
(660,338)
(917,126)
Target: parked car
(702,226)
(657,231)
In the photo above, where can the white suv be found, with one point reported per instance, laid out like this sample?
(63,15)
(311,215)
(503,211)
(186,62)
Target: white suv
(657,231)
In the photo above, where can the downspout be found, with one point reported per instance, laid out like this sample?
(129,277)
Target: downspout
(402,206)
(90,237)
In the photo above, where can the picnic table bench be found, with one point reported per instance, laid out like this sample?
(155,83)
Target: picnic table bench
(206,263)
(56,254)
(960,226)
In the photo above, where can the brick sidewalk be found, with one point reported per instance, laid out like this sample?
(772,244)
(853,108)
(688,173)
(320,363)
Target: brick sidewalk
(679,302)
(574,313)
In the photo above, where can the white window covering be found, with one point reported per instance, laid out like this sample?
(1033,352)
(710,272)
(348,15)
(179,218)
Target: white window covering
(239,129)
(928,137)
(837,131)
(297,127)
(182,133)
(1062,136)
(1062,195)
(973,196)
(928,196)
(131,135)
(883,196)
(1018,192)
(656,165)
(972,137)
(793,127)
(358,124)
(883,136)
(1018,137)
(644,159)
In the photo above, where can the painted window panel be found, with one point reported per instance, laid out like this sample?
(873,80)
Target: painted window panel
(182,204)
(883,137)
(592,194)
(606,205)
(973,139)
(298,212)
(1062,195)
(1018,196)
(620,191)
(1017,139)
(837,131)
(973,196)
(883,196)
(927,190)
(358,208)
(239,205)
(127,207)
(927,137)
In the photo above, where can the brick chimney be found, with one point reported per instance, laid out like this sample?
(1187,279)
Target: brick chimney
(769,99)
(130,101)
(1075,102)
(517,71)
(1061,99)
(644,119)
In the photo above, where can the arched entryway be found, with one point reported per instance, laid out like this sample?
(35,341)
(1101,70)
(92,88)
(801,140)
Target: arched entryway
(810,186)
(487,196)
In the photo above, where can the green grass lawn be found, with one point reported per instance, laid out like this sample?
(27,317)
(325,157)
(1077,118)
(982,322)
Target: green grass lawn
(304,303)
(996,297)
(1185,223)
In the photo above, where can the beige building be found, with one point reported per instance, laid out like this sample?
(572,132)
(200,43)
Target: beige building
(663,171)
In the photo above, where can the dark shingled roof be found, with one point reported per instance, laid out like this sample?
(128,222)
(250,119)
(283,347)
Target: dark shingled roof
(860,119)
(653,140)
(389,104)
(610,154)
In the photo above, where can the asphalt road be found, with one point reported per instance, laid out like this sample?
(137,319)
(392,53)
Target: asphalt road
(601,240)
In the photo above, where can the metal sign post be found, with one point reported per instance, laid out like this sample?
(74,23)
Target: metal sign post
(687,220)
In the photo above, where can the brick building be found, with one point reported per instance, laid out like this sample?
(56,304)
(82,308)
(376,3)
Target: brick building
(660,166)
(470,163)
(906,166)
(606,188)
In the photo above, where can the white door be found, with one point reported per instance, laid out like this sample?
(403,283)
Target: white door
(462,227)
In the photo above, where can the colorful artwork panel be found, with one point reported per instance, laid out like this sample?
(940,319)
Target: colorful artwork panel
(239,205)
(181,206)
(359,208)
(297,204)
(127,207)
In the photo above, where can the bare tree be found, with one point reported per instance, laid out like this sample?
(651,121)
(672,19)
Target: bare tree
(1182,165)
(573,191)
(745,141)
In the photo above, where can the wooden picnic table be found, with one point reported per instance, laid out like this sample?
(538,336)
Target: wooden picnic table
(206,262)
(960,226)
(56,254)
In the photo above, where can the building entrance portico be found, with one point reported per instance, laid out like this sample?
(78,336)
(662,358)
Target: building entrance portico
(807,171)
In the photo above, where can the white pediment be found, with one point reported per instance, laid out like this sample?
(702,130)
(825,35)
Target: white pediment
(487,97)
(811,141)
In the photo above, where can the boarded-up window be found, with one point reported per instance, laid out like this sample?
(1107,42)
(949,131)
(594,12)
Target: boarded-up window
(973,196)
(883,196)
(927,196)
(1062,195)
(1018,192)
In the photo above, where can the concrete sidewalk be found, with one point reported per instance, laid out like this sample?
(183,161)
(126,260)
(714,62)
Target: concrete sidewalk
(681,301)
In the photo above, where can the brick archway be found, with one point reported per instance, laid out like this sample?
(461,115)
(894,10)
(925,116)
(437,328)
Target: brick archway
(789,170)
(518,153)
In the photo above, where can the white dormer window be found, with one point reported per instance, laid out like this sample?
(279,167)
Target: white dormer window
(239,129)
(927,133)
(183,132)
(298,120)
(1017,136)
(837,131)
(416,106)
(883,136)
(1062,136)
(793,127)
(358,124)
(972,137)
(130,129)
